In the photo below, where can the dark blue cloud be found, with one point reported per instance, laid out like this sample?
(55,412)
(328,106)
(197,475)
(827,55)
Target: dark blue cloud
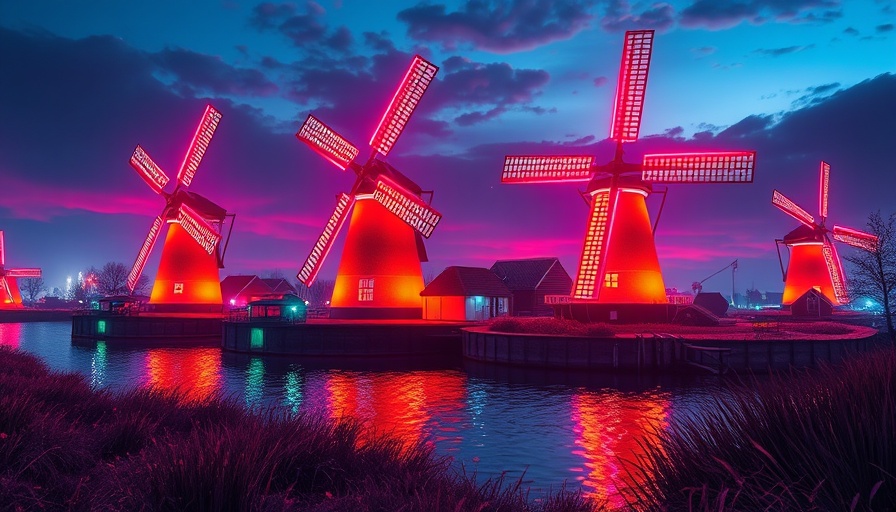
(305,29)
(717,14)
(777,52)
(618,16)
(196,73)
(500,26)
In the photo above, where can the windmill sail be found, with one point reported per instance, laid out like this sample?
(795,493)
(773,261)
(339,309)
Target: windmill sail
(832,260)
(632,85)
(588,278)
(145,250)
(326,142)
(408,207)
(856,238)
(823,188)
(547,169)
(725,167)
(410,91)
(790,208)
(151,173)
(198,228)
(201,139)
(325,241)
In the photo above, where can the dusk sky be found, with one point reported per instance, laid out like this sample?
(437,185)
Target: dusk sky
(82,83)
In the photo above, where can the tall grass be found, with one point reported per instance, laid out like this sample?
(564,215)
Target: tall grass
(66,447)
(549,325)
(803,441)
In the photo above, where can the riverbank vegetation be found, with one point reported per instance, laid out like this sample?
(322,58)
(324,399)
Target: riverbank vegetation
(819,440)
(64,446)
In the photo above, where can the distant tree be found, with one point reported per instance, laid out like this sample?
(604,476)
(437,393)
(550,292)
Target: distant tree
(874,272)
(320,292)
(112,279)
(142,287)
(273,274)
(31,287)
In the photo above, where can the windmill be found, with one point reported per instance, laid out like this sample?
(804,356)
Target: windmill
(10,297)
(619,263)
(814,263)
(188,269)
(379,274)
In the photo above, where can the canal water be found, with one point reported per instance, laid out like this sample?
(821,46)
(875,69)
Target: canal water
(547,428)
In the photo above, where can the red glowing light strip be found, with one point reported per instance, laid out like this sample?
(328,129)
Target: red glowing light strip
(406,206)
(856,238)
(201,231)
(824,179)
(546,169)
(590,263)
(201,139)
(414,84)
(833,262)
(723,167)
(23,272)
(151,173)
(320,250)
(631,86)
(327,142)
(148,244)
(2,251)
(790,208)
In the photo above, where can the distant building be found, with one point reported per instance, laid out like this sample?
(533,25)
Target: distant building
(238,291)
(465,293)
(529,280)
(280,286)
(813,304)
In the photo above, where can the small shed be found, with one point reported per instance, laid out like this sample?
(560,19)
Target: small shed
(238,291)
(279,286)
(529,280)
(465,293)
(812,304)
(289,309)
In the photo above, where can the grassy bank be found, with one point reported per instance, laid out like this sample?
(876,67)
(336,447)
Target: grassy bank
(821,440)
(64,446)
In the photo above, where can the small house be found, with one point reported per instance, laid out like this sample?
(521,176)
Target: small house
(813,304)
(465,293)
(530,280)
(238,291)
(279,287)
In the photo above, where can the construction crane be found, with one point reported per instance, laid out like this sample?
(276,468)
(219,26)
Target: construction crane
(697,286)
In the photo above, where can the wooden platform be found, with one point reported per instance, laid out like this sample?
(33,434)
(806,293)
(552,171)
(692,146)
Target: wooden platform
(101,325)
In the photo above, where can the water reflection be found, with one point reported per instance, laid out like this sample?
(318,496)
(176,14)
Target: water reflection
(610,427)
(546,427)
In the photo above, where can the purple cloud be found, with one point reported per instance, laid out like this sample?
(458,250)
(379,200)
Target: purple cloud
(304,29)
(618,17)
(500,26)
(718,14)
(196,73)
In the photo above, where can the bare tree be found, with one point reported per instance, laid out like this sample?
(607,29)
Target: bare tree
(319,293)
(874,272)
(142,287)
(31,287)
(112,279)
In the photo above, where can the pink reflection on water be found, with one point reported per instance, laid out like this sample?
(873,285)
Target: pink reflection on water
(403,405)
(10,335)
(194,373)
(609,425)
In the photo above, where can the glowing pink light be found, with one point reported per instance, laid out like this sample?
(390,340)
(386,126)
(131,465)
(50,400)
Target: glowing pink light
(832,260)
(145,249)
(856,238)
(198,228)
(325,242)
(790,208)
(632,85)
(2,250)
(326,142)
(586,286)
(404,101)
(824,183)
(199,144)
(718,167)
(547,169)
(151,173)
(406,206)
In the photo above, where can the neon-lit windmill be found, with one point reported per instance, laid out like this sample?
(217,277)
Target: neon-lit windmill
(10,296)
(188,269)
(379,275)
(619,263)
(814,262)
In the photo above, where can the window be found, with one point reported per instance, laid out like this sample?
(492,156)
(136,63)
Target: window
(611,280)
(365,289)
(178,288)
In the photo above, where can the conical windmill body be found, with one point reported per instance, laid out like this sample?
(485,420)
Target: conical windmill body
(814,262)
(187,278)
(10,296)
(379,274)
(619,262)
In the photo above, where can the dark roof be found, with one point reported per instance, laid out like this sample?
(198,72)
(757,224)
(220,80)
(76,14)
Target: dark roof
(466,282)
(233,286)
(279,285)
(523,274)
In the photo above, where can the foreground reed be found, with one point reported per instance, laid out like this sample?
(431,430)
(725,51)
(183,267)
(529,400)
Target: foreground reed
(823,440)
(64,446)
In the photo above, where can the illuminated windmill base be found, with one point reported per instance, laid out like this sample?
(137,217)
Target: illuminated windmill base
(379,275)
(188,278)
(631,268)
(10,297)
(807,270)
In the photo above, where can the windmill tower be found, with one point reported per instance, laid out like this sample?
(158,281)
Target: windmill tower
(619,263)
(10,297)
(187,279)
(814,263)
(379,275)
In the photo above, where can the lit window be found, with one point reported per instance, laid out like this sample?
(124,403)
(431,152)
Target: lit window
(611,280)
(365,289)
(178,288)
